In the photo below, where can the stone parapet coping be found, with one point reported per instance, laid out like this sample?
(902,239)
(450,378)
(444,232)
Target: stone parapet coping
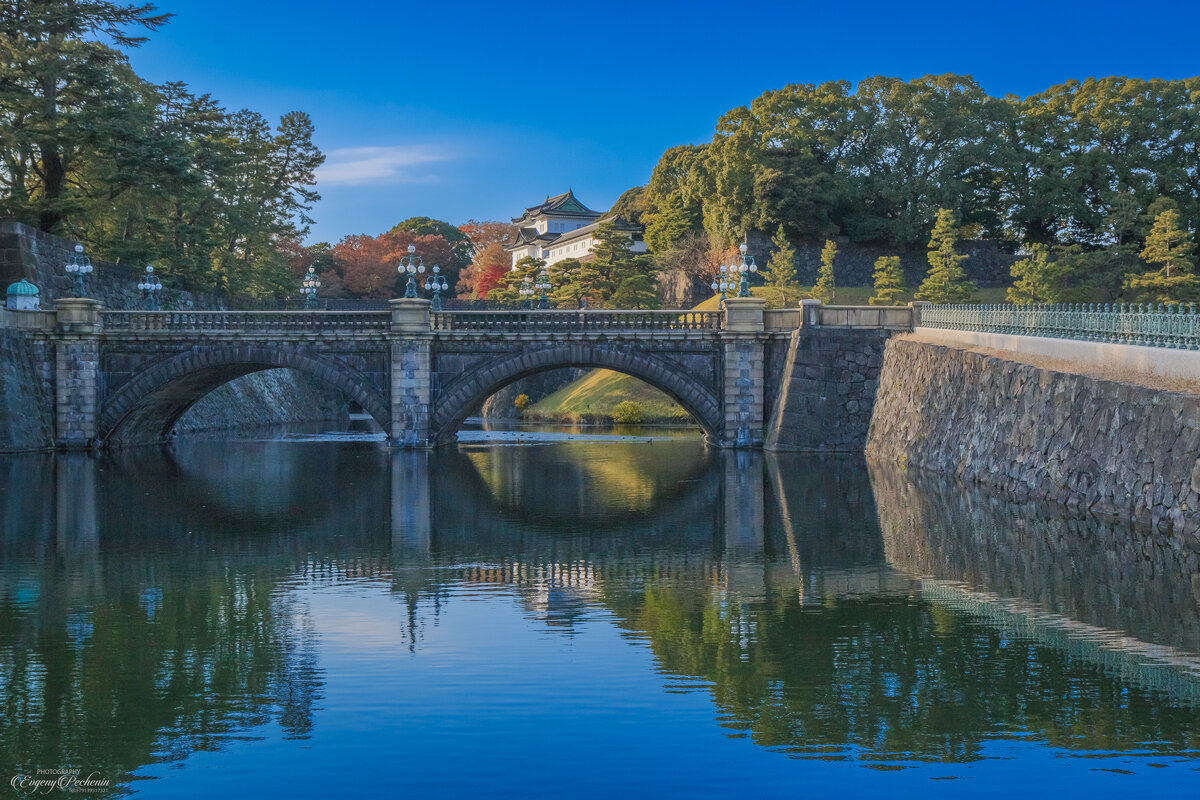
(1152,367)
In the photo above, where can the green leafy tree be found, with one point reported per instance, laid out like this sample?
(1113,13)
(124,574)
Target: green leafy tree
(627,412)
(780,274)
(668,226)
(673,198)
(889,282)
(824,290)
(1169,245)
(632,205)
(945,282)
(461,245)
(1039,278)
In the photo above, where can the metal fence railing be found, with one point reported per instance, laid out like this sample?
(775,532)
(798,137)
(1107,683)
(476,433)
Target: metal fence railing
(1175,325)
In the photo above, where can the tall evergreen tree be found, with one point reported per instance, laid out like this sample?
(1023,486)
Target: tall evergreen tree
(56,82)
(780,274)
(1039,279)
(945,282)
(889,282)
(508,289)
(1170,245)
(825,290)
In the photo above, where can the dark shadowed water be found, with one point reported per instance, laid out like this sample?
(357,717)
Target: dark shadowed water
(530,616)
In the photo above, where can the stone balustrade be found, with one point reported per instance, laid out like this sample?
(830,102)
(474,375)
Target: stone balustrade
(243,322)
(557,320)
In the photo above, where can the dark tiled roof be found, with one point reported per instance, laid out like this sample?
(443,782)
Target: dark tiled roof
(524,236)
(619,223)
(566,204)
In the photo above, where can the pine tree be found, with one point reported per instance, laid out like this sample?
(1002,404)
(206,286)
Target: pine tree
(508,290)
(889,282)
(825,290)
(1167,244)
(1039,280)
(780,274)
(945,282)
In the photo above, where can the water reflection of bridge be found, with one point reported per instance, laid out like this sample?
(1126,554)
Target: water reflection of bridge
(768,536)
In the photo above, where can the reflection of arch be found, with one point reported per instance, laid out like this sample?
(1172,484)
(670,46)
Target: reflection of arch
(466,392)
(146,407)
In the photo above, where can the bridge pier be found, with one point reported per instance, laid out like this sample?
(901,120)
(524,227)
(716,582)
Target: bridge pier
(76,372)
(744,342)
(411,374)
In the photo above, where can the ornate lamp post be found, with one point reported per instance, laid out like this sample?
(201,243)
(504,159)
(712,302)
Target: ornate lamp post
(413,266)
(79,265)
(436,284)
(544,285)
(526,291)
(745,268)
(309,289)
(150,287)
(721,283)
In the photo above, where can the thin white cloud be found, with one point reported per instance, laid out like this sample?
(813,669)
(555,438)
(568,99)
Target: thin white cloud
(358,166)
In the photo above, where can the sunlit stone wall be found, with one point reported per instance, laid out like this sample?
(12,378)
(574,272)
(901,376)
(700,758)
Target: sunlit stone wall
(1116,449)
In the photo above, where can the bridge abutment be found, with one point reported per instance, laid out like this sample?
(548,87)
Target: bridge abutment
(744,344)
(411,382)
(76,372)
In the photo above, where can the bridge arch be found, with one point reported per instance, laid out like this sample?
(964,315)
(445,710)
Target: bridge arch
(146,407)
(466,392)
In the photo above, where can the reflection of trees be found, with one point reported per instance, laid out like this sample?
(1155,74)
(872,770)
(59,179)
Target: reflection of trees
(170,634)
(895,677)
(106,660)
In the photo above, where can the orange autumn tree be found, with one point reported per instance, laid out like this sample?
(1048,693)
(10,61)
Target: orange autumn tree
(368,263)
(481,275)
(485,271)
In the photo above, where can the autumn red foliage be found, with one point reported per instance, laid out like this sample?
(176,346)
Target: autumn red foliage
(484,232)
(368,263)
(485,271)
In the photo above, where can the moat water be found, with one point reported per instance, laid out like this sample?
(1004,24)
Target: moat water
(565,614)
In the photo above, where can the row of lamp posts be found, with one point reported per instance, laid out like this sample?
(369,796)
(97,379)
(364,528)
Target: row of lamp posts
(79,266)
(530,288)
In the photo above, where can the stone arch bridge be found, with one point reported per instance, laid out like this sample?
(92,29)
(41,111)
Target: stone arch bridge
(125,377)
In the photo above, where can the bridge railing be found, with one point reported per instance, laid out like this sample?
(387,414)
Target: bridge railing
(244,321)
(1174,325)
(548,320)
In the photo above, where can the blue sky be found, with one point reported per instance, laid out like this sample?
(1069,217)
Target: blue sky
(465,109)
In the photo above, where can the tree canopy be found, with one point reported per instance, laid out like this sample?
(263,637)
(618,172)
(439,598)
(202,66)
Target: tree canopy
(1082,168)
(142,172)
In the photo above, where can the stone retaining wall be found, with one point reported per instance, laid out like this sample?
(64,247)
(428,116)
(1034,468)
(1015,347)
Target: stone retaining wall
(40,258)
(26,409)
(827,390)
(270,397)
(1120,450)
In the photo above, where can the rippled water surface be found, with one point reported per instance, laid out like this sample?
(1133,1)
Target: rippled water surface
(579,616)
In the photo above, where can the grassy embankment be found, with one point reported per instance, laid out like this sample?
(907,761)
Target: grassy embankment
(593,397)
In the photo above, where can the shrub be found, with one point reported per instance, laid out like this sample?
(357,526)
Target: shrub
(522,402)
(627,412)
